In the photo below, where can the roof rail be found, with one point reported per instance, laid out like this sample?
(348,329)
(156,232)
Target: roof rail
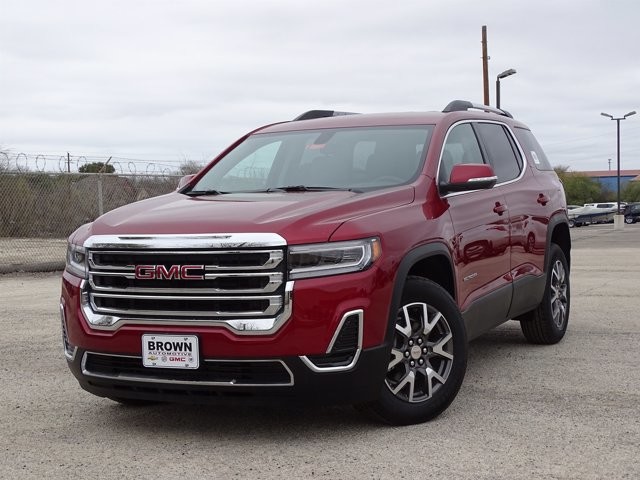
(321,114)
(463,106)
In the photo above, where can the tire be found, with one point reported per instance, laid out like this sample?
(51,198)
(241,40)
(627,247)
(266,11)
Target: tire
(428,358)
(133,402)
(628,220)
(547,324)
(572,223)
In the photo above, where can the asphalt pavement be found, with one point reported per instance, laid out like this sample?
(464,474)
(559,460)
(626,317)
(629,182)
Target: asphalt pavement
(570,410)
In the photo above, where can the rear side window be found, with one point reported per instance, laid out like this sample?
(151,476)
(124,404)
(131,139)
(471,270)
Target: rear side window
(532,149)
(501,152)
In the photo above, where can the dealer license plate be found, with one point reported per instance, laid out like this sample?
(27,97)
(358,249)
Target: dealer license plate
(170,351)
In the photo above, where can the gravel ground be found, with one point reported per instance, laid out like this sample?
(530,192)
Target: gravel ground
(570,410)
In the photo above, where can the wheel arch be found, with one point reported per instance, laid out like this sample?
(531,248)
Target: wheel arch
(431,261)
(558,233)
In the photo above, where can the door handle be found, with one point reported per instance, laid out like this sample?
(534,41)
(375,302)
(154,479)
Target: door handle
(499,208)
(543,199)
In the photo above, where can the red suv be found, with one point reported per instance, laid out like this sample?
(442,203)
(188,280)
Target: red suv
(337,257)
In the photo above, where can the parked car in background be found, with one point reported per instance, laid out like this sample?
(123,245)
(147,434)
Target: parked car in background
(632,212)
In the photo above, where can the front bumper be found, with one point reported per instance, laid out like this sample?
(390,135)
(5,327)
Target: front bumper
(295,382)
(319,308)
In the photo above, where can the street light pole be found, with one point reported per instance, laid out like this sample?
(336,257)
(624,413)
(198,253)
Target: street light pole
(617,119)
(504,74)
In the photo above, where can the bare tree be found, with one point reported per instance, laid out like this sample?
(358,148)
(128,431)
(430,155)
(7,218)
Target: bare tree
(187,167)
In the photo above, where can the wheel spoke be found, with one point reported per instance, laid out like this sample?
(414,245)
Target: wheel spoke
(438,348)
(557,275)
(409,379)
(561,310)
(431,375)
(406,330)
(397,358)
(429,325)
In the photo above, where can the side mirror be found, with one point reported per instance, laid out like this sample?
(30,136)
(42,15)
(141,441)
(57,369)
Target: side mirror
(469,176)
(185,181)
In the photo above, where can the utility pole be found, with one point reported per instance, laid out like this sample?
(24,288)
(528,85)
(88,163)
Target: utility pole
(609,164)
(485,65)
(68,163)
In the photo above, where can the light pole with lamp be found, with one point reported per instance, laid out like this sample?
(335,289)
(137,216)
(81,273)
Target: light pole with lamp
(619,222)
(502,75)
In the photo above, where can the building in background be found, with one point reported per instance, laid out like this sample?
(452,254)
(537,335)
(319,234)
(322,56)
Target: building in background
(608,178)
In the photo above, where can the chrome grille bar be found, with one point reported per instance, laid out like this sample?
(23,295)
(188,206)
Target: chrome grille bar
(275,303)
(274,281)
(275,258)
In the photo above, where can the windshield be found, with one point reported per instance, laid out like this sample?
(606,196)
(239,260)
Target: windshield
(347,158)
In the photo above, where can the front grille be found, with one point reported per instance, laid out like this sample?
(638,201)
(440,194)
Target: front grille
(217,284)
(212,372)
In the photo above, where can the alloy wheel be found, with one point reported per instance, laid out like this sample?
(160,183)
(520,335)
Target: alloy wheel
(559,298)
(422,353)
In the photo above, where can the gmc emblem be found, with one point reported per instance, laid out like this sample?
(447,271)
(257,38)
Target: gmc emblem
(174,272)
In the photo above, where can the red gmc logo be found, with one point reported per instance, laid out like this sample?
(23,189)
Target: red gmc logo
(174,272)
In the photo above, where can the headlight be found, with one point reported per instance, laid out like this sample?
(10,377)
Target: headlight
(76,260)
(322,259)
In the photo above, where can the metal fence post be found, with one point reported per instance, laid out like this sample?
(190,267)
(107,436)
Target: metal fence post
(100,200)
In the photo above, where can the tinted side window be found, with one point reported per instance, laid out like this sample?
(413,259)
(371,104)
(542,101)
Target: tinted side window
(461,147)
(532,149)
(502,157)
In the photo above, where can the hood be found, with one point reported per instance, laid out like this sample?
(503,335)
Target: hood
(299,217)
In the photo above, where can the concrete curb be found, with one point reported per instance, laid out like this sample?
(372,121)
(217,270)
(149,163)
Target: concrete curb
(32,267)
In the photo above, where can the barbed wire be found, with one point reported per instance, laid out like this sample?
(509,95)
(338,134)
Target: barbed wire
(45,163)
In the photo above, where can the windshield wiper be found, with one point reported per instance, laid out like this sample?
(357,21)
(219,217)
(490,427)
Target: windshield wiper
(198,193)
(305,188)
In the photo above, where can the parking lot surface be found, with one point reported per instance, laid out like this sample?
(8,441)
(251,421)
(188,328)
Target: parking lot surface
(570,410)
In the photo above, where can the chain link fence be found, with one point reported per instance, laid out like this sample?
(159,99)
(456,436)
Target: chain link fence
(39,210)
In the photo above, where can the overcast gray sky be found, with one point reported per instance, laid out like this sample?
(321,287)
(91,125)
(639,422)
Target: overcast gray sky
(168,80)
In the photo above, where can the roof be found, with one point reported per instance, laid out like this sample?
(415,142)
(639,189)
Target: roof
(611,173)
(385,119)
